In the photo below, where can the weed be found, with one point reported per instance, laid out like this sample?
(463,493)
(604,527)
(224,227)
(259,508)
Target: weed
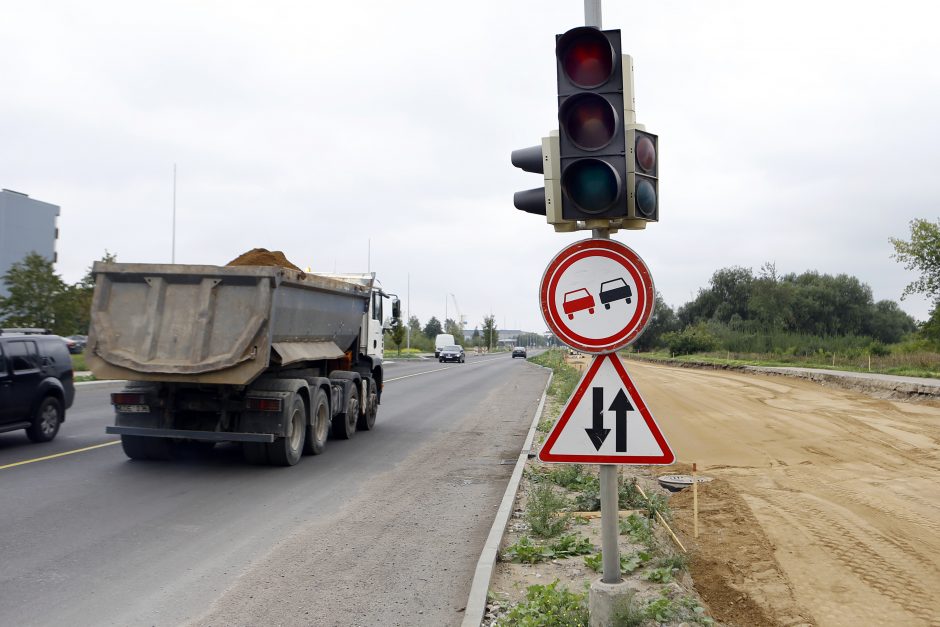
(661,610)
(675,561)
(572,544)
(580,520)
(659,575)
(658,503)
(628,563)
(524,552)
(594,562)
(588,498)
(570,476)
(544,512)
(629,495)
(638,529)
(549,605)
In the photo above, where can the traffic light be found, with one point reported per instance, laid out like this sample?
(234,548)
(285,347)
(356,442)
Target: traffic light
(591,124)
(643,175)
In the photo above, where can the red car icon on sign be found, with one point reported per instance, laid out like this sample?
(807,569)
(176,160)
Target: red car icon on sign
(578,300)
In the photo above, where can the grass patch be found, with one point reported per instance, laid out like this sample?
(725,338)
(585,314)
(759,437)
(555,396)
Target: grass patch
(549,605)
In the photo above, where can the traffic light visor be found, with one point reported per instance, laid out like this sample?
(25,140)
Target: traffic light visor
(588,120)
(586,57)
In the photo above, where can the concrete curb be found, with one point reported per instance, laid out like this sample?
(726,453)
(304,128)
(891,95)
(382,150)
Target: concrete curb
(476,602)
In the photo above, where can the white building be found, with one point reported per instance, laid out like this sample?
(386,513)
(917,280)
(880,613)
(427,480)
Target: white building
(26,225)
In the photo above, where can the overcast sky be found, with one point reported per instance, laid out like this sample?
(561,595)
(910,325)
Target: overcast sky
(801,133)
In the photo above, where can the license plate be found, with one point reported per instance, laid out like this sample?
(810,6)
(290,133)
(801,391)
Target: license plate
(133,409)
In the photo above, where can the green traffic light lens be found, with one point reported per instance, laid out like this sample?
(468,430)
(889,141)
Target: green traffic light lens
(588,120)
(645,199)
(592,184)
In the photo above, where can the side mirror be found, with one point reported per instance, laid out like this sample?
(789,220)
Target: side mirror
(396,308)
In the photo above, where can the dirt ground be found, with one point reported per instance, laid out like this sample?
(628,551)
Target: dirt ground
(826,508)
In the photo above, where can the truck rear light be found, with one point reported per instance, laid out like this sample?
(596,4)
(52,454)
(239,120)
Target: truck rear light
(123,398)
(263,404)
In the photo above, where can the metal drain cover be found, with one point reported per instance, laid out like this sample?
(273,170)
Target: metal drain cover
(680,482)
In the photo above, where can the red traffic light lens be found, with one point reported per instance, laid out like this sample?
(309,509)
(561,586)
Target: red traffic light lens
(586,57)
(588,120)
(646,154)
(593,185)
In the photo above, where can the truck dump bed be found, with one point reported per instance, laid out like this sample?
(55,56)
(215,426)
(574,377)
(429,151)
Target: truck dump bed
(216,324)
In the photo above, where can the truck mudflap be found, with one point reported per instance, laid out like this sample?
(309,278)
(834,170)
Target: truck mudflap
(211,436)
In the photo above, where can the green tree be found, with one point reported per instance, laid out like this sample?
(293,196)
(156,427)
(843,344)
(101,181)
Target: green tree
(454,329)
(37,295)
(433,328)
(663,320)
(490,333)
(396,333)
(921,254)
(415,325)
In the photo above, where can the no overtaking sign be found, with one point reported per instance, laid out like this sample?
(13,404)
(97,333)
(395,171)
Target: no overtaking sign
(596,296)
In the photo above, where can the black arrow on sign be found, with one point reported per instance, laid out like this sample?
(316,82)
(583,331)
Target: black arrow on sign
(597,432)
(621,406)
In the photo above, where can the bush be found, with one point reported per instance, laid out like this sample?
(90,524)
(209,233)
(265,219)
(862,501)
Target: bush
(691,340)
(544,512)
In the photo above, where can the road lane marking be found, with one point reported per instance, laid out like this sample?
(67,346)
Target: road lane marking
(42,459)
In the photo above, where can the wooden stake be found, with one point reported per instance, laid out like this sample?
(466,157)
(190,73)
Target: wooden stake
(694,503)
(662,521)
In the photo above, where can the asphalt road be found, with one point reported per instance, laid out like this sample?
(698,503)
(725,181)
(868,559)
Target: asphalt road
(383,529)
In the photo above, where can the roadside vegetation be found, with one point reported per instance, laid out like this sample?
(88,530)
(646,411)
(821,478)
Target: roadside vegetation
(556,529)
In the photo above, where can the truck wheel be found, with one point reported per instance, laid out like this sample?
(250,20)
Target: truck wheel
(46,421)
(140,447)
(286,451)
(319,429)
(370,409)
(344,424)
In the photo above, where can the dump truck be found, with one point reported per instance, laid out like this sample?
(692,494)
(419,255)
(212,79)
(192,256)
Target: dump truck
(269,357)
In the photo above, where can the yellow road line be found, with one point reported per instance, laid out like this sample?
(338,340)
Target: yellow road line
(42,459)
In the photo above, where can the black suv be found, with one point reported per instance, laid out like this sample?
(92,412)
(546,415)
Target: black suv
(36,384)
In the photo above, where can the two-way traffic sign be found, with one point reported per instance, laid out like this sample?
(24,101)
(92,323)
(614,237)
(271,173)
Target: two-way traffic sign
(606,401)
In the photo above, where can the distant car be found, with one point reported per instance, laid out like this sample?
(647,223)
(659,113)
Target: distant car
(614,290)
(452,353)
(577,300)
(78,343)
(519,351)
(36,384)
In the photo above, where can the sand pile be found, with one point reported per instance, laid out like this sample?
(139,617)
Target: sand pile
(263,257)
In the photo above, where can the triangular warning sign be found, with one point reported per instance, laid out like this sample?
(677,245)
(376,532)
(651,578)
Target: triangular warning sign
(606,422)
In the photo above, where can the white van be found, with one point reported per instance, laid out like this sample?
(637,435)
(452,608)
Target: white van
(442,340)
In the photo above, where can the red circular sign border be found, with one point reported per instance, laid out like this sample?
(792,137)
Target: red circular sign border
(630,261)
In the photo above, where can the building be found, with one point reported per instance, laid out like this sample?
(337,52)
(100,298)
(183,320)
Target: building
(26,225)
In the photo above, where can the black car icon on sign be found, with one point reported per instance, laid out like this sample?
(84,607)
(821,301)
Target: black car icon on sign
(614,290)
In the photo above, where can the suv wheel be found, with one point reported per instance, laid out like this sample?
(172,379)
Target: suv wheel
(47,420)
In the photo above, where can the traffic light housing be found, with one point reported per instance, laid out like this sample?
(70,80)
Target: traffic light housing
(642,175)
(546,201)
(591,111)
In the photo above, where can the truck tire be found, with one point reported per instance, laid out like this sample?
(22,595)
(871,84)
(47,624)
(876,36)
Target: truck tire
(286,451)
(344,424)
(370,407)
(46,421)
(319,429)
(141,447)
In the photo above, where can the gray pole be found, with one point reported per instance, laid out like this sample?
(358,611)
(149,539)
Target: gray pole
(408,312)
(592,13)
(173,238)
(610,550)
